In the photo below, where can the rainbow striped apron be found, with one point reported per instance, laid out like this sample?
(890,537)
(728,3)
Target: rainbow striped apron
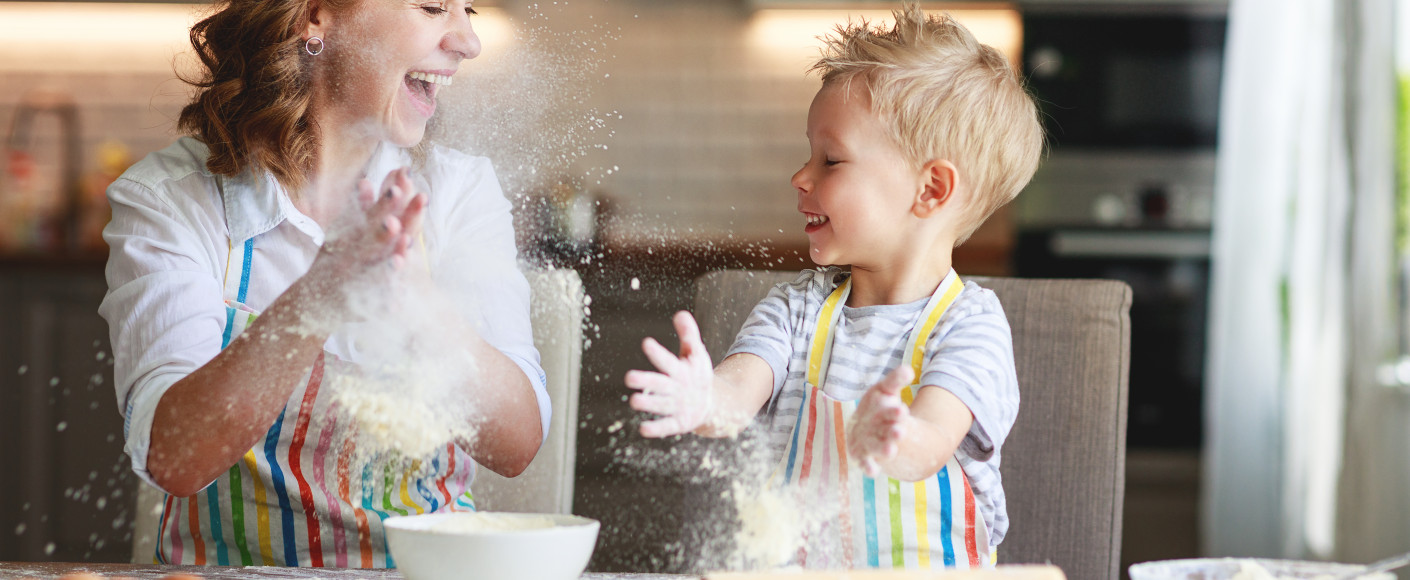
(878,523)
(301,497)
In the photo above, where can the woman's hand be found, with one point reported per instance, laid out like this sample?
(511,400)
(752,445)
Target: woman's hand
(382,232)
(682,393)
(879,424)
(379,233)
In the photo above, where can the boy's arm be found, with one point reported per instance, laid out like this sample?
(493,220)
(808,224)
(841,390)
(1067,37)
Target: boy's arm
(907,443)
(689,396)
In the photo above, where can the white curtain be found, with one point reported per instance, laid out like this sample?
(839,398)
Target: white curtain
(1374,510)
(1302,310)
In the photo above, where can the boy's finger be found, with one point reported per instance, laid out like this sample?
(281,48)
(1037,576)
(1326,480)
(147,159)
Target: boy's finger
(892,413)
(652,403)
(870,467)
(689,332)
(663,427)
(896,380)
(664,360)
(649,381)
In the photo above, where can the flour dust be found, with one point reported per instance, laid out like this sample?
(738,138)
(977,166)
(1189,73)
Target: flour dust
(528,105)
(524,105)
(736,515)
(406,392)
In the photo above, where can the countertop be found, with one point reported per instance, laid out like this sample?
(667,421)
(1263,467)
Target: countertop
(44,570)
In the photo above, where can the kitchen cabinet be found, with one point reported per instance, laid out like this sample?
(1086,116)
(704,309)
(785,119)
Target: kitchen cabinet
(65,481)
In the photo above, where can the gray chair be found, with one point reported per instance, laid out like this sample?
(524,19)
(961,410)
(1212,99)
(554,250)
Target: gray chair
(547,485)
(1064,461)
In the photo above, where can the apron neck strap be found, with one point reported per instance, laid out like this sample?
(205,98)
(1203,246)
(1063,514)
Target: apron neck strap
(820,355)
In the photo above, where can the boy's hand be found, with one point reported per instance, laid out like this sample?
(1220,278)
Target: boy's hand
(879,423)
(683,392)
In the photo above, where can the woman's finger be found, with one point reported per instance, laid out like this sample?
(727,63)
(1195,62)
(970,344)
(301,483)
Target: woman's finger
(366,194)
(391,229)
(390,187)
(404,183)
(414,213)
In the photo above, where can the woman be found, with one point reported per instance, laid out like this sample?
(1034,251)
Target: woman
(305,104)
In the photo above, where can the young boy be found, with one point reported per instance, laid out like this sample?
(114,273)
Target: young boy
(918,134)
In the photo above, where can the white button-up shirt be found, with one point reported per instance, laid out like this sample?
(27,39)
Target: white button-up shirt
(173,228)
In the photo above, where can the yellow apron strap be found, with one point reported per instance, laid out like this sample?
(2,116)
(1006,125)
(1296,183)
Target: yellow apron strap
(821,351)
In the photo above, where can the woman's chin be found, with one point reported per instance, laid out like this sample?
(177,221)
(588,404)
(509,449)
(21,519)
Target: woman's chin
(407,137)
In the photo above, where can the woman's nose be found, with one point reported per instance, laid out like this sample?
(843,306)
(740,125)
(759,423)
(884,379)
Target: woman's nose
(461,38)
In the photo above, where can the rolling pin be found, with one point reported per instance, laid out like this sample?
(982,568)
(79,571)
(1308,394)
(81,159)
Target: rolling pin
(1014,572)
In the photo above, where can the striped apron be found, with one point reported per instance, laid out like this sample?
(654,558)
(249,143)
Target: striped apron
(877,523)
(301,497)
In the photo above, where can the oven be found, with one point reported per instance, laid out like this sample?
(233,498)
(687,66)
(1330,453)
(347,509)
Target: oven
(1129,97)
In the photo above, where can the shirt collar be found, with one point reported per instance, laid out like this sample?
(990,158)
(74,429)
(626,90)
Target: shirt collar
(255,202)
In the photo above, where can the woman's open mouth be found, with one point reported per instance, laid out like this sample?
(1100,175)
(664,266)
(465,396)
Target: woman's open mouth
(422,87)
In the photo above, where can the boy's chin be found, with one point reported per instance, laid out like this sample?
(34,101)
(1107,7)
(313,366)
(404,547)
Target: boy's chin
(822,259)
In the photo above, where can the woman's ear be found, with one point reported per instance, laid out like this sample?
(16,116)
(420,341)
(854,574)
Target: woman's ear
(317,25)
(939,180)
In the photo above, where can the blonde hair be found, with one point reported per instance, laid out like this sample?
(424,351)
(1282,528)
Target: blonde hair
(941,94)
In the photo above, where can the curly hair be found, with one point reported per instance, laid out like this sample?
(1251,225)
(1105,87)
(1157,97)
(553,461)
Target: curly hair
(251,106)
(941,94)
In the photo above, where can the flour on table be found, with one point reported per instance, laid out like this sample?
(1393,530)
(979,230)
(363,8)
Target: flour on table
(771,526)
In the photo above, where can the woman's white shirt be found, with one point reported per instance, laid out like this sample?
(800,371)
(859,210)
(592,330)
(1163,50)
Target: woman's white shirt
(174,225)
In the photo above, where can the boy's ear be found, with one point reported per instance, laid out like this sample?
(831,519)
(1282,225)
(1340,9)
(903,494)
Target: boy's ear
(939,179)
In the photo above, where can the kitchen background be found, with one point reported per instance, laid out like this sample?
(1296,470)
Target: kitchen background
(684,120)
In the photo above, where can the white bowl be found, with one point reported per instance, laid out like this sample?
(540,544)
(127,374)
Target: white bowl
(1228,569)
(559,552)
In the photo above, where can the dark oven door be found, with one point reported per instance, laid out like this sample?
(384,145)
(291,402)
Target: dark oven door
(1126,76)
(1168,271)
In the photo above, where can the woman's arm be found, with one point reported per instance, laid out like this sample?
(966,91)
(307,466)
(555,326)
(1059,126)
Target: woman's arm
(475,262)
(208,419)
(511,436)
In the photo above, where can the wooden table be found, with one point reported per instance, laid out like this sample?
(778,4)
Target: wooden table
(50,570)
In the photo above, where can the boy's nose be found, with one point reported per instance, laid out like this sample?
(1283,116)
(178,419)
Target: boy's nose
(800,181)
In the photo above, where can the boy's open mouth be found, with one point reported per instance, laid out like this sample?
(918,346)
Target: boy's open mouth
(815,221)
